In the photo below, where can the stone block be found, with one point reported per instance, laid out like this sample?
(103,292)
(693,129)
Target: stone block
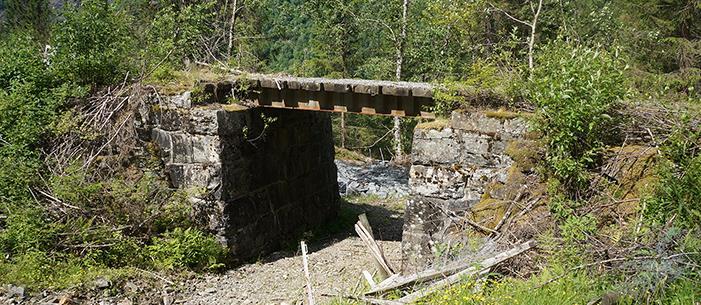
(183,100)
(436,147)
(230,123)
(475,148)
(172,119)
(201,176)
(206,149)
(478,122)
(437,182)
(165,145)
(182,148)
(204,121)
(475,185)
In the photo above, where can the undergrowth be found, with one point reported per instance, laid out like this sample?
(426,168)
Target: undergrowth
(66,222)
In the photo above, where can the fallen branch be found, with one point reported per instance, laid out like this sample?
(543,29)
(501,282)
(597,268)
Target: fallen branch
(479,226)
(523,212)
(375,251)
(480,270)
(466,267)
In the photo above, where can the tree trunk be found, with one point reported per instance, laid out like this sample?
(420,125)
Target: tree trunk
(400,61)
(231,30)
(531,40)
(343,130)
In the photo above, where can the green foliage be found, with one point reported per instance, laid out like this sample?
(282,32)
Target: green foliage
(31,15)
(29,101)
(576,90)
(26,230)
(678,190)
(576,228)
(175,31)
(92,44)
(187,248)
(573,288)
(484,83)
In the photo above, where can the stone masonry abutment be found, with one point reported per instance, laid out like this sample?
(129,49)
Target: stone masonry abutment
(257,177)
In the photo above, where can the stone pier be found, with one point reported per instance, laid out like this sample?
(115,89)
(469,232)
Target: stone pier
(453,163)
(258,178)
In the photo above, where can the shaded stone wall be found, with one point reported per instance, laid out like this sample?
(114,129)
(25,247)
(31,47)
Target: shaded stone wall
(257,185)
(453,163)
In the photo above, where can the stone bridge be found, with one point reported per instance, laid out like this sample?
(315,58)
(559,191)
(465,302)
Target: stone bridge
(259,177)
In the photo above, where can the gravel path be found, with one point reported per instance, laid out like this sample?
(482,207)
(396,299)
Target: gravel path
(335,266)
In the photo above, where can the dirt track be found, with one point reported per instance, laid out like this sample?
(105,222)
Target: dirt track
(335,266)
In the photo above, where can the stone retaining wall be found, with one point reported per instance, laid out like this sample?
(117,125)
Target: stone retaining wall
(256,185)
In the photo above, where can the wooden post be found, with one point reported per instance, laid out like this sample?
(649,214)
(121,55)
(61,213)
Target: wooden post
(310,293)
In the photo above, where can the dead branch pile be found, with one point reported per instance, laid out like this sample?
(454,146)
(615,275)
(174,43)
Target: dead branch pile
(654,123)
(101,126)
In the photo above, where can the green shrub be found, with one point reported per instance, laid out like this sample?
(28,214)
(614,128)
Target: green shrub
(486,83)
(576,90)
(678,191)
(20,60)
(26,229)
(187,248)
(92,44)
(175,32)
(573,288)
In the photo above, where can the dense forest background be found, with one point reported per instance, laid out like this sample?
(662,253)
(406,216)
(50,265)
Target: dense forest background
(482,43)
(72,209)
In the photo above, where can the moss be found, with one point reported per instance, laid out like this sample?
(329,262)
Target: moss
(632,168)
(502,114)
(525,153)
(488,212)
(181,81)
(438,124)
(234,107)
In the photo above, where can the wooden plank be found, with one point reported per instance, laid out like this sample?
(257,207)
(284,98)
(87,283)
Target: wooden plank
(369,279)
(375,250)
(310,85)
(366,88)
(466,268)
(272,83)
(422,92)
(336,86)
(395,90)
(363,218)
(409,106)
(434,287)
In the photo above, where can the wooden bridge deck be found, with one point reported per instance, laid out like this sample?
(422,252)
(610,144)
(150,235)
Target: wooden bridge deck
(322,94)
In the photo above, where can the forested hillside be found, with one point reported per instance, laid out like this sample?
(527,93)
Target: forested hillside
(595,74)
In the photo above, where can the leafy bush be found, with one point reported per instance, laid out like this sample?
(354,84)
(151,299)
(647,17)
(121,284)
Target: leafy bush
(576,90)
(26,229)
(92,44)
(175,31)
(573,288)
(486,83)
(187,248)
(678,191)
(29,101)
